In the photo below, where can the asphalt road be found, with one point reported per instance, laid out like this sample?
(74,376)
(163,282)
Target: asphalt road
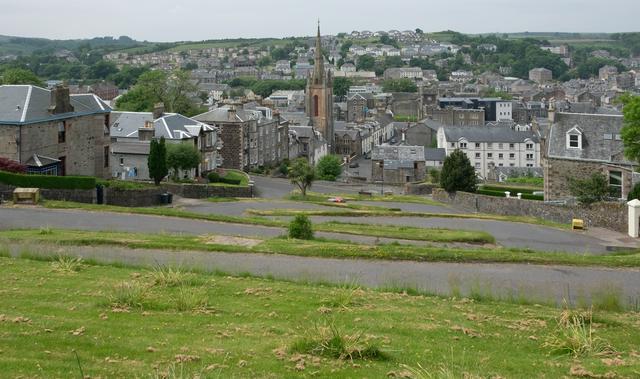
(548,284)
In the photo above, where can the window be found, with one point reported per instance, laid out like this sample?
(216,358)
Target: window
(512,146)
(529,164)
(316,106)
(500,146)
(453,144)
(529,157)
(477,155)
(463,145)
(489,155)
(512,165)
(478,165)
(500,165)
(512,156)
(106,156)
(500,156)
(489,145)
(529,146)
(121,161)
(574,141)
(106,124)
(615,184)
(62,132)
(477,145)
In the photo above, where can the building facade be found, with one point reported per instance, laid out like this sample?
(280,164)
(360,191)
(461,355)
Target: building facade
(398,164)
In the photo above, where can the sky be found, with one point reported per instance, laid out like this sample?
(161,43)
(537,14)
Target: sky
(187,20)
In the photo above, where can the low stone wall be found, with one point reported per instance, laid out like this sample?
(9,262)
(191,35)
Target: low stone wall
(78,196)
(201,191)
(612,216)
(419,188)
(146,197)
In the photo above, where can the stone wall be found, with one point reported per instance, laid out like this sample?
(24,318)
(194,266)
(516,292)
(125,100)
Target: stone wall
(419,188)
(612,216)
(147,197)
(200,191)
(78,196)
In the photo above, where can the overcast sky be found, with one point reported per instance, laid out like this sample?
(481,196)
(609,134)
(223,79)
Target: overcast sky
(177,20)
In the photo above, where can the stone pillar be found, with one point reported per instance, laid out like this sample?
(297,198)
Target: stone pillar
(634,218)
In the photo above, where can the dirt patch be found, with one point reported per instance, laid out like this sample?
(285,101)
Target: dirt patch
(228,240)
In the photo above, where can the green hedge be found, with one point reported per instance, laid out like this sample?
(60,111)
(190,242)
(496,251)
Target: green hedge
(214,177)
(513,190)
(526,196)
(47,181)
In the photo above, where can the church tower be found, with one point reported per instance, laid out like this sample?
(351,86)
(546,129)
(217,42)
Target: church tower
(320,96)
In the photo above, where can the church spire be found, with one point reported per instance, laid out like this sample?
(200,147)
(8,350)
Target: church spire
(318,71)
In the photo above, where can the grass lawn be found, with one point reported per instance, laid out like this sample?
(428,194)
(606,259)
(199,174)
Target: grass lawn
(125,322)
(234,174)
(318,197)
(315,248)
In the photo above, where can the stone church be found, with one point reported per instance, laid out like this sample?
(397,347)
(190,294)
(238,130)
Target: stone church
(319,101)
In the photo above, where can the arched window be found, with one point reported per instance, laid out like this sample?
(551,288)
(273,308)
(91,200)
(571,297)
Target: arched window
(316,106)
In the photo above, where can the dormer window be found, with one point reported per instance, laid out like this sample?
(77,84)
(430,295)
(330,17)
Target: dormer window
(574,138)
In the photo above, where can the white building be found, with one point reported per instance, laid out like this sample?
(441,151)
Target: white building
(495,146)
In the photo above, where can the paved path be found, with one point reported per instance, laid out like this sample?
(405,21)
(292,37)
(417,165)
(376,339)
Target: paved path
(531,282)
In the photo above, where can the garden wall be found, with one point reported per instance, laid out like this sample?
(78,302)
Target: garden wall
(608,215)
(146,197)
(419,188)
(79,196)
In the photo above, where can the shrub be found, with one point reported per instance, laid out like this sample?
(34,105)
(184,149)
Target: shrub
(458,174)
(213,177)
(230,178)
(301,228)
(9,165)
(635,193)
(329,167)
(434,173)
(590,190)
(513,190)
(47,181)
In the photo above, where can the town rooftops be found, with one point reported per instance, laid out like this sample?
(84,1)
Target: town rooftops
(226,114)
(28,104)
(169,126)
(488,134)
(599,134)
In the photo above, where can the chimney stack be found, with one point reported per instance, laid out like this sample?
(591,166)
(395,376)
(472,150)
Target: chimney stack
(158,110)
(60,100)
(232,113)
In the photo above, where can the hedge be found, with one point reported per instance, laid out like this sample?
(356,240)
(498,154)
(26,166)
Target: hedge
(48,181)
(526,196)
(510,189)
(214,177)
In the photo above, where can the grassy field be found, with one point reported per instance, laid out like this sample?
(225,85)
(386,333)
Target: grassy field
(313,248)
(70,319)
(322,198)
(237,43)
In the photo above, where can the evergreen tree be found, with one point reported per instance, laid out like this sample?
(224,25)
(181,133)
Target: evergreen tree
(458,174)
(157,161)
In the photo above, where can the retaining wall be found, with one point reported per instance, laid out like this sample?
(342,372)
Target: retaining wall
(200,191)
(608,215)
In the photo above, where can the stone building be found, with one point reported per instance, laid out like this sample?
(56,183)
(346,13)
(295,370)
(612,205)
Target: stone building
(320,96)
(540,75)
(579,145)
(358,106)
(457,116)
(252,138)
(132,132)
(53,132)
(398,164)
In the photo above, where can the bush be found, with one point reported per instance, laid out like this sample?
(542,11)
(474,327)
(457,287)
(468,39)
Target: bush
(9,165)
(590,190)
(329,167)
(301,228)
(47,181)
(214,177)
(635,193)
(458,174)
(434,173)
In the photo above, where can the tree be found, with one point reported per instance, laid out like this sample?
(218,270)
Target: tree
(9,165)
(302,175)
(419,31)
(457,173)
(590,190)
(341,86)
(301,228)
(182,156)
(157,161)
(400,85)
(631,128)
(21,76)
(329,167)
(366,63)
(102,70)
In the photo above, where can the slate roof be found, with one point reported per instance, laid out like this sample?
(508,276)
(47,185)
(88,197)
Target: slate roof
(398,153)
(222,115)
(488,134)
(27,104)
(600,138)
(431,154)
(133,148)
(169,126)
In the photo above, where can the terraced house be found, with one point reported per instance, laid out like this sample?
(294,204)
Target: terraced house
(53,132)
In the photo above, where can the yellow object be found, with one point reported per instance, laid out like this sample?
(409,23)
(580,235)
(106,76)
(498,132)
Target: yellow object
(577,224)
(26,194)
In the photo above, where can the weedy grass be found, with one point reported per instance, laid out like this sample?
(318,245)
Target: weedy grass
(232,326)
(67,264)
(575,335)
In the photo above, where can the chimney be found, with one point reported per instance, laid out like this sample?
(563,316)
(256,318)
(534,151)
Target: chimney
(158,110)
(60,100)
(552,112)
(231,113)
(147,133)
